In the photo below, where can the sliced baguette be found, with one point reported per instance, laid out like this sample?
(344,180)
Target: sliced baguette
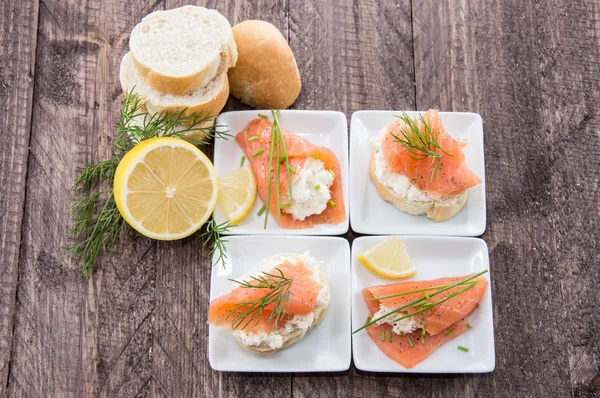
(296,334)
(207,100)
(439,210)
(180,50)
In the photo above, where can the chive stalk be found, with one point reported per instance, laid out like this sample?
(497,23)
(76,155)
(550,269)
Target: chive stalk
(253,138)
(258,152)
(261,211)
(383,335)
(263,116)
(469,326)
(463,348)
(242,159)
(410,343)
(331,203)
(449,332)
(317,187)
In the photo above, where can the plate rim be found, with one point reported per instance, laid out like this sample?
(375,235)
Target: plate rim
(347,354)
(329,229)
(489,366)
(478,228)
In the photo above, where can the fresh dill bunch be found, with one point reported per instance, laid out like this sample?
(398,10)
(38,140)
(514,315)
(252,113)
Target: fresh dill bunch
(98,224)
(212,234)
(279,296)
(421,144)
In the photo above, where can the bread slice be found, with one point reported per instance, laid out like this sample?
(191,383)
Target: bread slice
(208,100)
(438,210)
(296,334)
(180,50)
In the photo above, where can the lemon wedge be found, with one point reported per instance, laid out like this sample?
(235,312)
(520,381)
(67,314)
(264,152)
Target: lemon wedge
(165,188)
(237,192)
(388,259)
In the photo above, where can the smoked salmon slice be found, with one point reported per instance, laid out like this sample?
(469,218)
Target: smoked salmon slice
(454,175)
(303,300)
(298,150)
(442,315)
(442,323)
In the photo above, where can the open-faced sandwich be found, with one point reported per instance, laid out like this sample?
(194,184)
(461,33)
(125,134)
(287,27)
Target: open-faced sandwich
(275,304)
(409,320)
(418,167)
(299,182)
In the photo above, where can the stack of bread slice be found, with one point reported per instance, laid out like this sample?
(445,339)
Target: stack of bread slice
(178,61)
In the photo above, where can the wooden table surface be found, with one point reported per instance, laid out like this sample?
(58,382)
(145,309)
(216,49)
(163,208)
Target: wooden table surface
(137,326)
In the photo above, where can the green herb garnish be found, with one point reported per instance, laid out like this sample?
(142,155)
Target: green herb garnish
(258,152)
(331,172)
(317,187)
(263,116)
(253,138)
(276,147)
(383,335)
(449,332)
(469,326)
(421,143)
(463,348)
(97,222)
(410,343)
(421,302)
(261,211)
(331,203)
(368,320)
(278,297)
(242,159)
(212,234)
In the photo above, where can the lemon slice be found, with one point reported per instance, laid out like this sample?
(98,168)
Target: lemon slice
(165,188)
(388,259)
(237,192)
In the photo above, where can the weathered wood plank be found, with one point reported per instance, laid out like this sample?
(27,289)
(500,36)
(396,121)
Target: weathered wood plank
(18,37)
(75,337)
(352,56)
(532,73)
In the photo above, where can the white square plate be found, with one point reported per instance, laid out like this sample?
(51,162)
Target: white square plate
(325,348)
(370,214)
(324,128)
(433,257)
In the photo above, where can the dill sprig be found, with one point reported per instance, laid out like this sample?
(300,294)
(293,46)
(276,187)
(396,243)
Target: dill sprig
(422,302)
(279,296)
(212,234)
(97,222)
(277,151)
(421,143)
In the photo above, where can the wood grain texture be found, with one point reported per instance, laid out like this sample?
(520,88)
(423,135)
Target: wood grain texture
(137,327)
(18,34)
(75,337)
(531,71)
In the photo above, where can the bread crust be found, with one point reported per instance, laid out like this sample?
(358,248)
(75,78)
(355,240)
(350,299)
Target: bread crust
(266,75)
(297,334)
(206,106)
(179,85)
(441,210)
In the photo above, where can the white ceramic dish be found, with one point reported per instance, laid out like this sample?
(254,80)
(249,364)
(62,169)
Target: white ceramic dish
(369,214)
(325,348)
(323,128)
(433,257)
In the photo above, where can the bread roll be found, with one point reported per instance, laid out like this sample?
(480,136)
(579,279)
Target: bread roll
(266,75)
(180,50)
(207,100)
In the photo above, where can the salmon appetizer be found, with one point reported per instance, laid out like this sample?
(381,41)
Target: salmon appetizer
(410,320)
(299,182)
(275,304)
(418,167)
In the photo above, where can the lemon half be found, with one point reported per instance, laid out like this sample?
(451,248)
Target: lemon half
(165,188)
(388,259)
